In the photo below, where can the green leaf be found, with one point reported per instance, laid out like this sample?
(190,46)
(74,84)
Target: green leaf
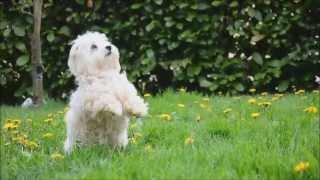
(19,31)
(203,82)
(202,6)
(216,3)
(169,23)
(159,2)
(136,6)
(3,80)
(81,2)
(64,30)
(20,46)
(213,87)
(98,4)
(251,12)
(257,58)
(257,37)
(22,60)
(234,4)
(50,37)
(239,87)
(258,15)
(3,24)
(193,70)
(150,53)
(275,63)
(161,41)
(283,86)
(150,26)
(6,32)
(179,26)
(172,45)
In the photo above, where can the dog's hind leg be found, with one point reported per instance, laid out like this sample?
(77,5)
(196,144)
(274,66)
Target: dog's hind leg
(119,136)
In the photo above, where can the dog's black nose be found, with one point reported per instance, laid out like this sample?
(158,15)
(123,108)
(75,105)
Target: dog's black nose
(108,48)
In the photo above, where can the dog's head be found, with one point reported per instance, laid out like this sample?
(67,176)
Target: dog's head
(92,53)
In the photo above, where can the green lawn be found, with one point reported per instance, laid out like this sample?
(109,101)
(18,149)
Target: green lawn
(185,136)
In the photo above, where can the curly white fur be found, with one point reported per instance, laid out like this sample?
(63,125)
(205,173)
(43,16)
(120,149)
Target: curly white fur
(101,106)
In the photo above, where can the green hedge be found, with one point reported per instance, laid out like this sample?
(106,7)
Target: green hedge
(211,46)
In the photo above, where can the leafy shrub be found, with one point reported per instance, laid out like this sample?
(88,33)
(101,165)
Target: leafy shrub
(211,46)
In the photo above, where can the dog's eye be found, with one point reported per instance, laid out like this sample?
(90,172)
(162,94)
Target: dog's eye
(93,46)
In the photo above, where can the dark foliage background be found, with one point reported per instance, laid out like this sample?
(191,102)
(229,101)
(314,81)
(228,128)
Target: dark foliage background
(226,46)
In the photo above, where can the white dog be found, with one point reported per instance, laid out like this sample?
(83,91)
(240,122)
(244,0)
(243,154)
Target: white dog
(104,100)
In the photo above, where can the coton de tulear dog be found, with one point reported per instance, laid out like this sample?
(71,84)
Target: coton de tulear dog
(101,106)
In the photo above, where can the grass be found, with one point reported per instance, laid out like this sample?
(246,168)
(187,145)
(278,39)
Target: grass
(185,136)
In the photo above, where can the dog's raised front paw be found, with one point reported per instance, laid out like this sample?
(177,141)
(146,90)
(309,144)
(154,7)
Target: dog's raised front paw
(137,108)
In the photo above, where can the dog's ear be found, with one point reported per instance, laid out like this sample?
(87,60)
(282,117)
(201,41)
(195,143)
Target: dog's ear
(72,60)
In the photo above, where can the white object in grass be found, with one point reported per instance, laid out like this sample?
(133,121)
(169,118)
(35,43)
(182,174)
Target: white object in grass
(27,103)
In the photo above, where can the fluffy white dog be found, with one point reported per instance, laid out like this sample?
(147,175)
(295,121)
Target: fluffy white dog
(104,100)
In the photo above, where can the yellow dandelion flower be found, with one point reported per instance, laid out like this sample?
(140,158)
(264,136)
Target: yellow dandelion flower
(32,144)
(252,90)
(47,135)
(252,101)
(203,105)
(206,99)
(182,89)
(16,121)
(18,139)
(57,156)
(264,93)
(133,140)
(255,115)
(137,135)
(198,118)
(299,92)
(10,126)
(181,105)
(147,95)
(166,116)
(148,148)
(278,95)
(15,132)
(188,140)
(49,120)
(265,104)
(301,166)
(23,141)
(227,110)
(316,91)
(311,109)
